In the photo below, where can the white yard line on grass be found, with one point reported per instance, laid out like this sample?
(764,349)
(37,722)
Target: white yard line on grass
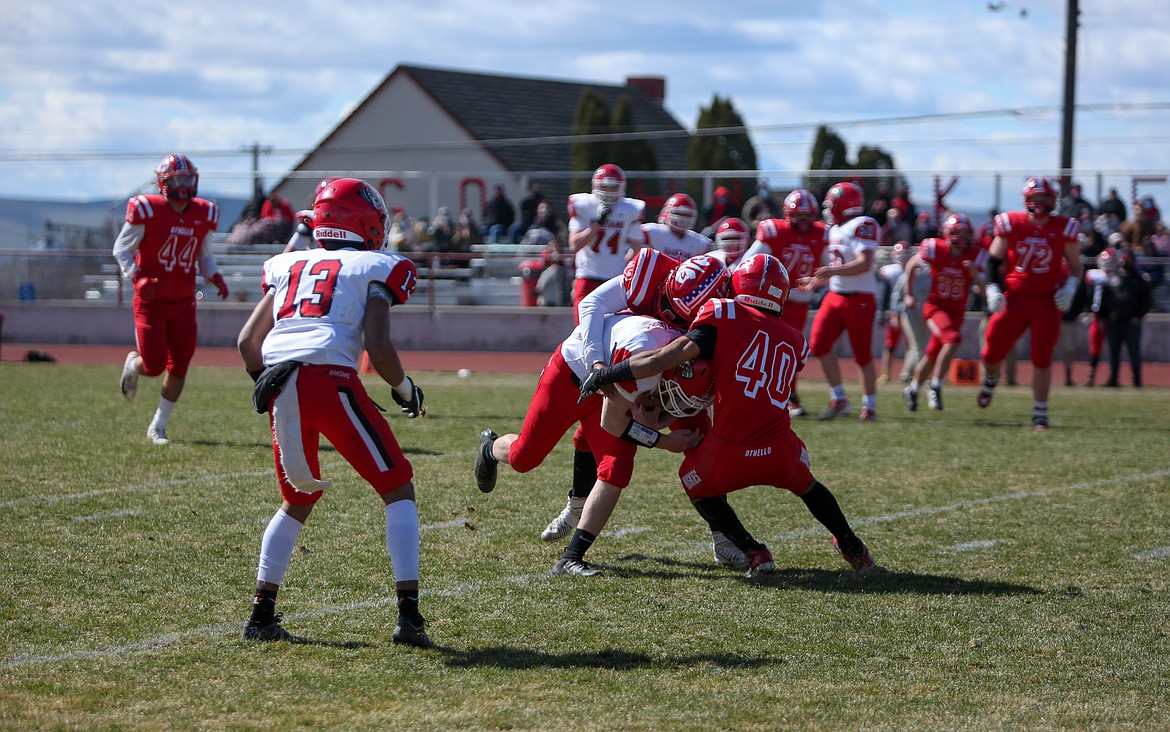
(971,545)
(36,659)
(1162,552)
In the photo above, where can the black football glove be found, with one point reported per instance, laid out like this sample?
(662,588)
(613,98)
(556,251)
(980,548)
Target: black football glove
(603,211)
(590,385)
(412,407)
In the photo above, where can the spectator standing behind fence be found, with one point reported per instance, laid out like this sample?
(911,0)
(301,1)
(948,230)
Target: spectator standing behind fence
(546,218)
(467,232)
(1113,205)
(895,229)
(1143,225)
(159,247)
(1074,204)
(902,202)
(1125,300)
(528,206)
(721,207)
(442,230)
(498,216)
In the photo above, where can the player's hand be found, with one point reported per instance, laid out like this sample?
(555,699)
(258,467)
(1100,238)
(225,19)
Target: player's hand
(221,287)
(1064,296)
(909,302)
(144,286)
(603,211)
(680,440)
(994,296)
(413,406)
(590,385)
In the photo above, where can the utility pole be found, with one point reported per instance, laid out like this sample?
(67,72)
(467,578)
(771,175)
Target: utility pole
(1070,95)
(256,149)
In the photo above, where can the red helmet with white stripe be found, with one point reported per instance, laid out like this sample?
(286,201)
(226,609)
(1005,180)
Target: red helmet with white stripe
(678,213)
(800,209)
(609,183)
(687,389)
(1039,196)
(844,201)
(178,178)
(761,282)
(958,231)
(693,282)
(732,237)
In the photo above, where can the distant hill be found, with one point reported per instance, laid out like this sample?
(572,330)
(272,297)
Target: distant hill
(23,222)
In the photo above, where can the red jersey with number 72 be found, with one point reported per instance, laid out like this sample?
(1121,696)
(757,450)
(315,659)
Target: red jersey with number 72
(1035,255)
(319,302)
(171,242)
(757,356)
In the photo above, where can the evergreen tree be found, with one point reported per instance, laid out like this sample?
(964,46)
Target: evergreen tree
(592,119)
(634,153)
(731,150)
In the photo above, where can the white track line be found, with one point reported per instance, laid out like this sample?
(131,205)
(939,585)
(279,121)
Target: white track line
(36,659)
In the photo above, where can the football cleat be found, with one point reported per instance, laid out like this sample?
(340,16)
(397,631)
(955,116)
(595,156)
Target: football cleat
(985,395)
(760,561)
(129,376)
(486,466)
(835,409)
(911,398)
(856,553)
(273,631)
(1040,421)
(934,399)
(157,435)
(407,632)
(794,408)
(867,415)
(565,521)
(726,553)
(575,567)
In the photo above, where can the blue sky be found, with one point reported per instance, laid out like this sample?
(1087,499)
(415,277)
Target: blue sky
(92,94)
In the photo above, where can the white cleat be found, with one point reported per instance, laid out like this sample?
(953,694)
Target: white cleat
(565,522)
(129,376)
(157,435)
(726,553)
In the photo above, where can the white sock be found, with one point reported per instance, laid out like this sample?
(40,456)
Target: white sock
(869,401)
(837,393)
(936,383)
(280,538)
(163,414)
(914,385)
(402,539)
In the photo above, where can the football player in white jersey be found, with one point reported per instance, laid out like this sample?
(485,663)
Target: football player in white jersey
(731,242)
(603,227)
(302,344)
(851,303)
(672,234)
(556,406)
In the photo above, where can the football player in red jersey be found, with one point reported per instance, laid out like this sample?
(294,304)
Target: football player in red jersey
(798,241)
(1043,268)
(603,226)
(302,344)
(159,247)
(754,355)
(954,263)
(850,306)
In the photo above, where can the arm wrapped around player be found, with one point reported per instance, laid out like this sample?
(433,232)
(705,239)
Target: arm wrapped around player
(597,378)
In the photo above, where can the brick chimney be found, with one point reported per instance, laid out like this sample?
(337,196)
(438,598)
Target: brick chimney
(652,86)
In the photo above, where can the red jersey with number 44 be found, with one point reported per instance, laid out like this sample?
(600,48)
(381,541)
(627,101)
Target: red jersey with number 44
(1035,254)
(757,356)
(320,302)
(950,276)
(171,242)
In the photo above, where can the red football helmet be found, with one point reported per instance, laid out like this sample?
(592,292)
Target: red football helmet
(1107,261)
(958,231)
(1039,196)
(761,282)
(732,237)
(349,213)
(693,282)
(844,201)
(678,213)
(178,178)
(609,183)
(687,389)
(321,186)
(800,209)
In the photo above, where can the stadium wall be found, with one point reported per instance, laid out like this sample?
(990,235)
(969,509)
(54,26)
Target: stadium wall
(448,328)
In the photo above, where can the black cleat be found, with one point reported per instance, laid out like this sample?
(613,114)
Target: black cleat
(273,631)
(486,466)
(407,632)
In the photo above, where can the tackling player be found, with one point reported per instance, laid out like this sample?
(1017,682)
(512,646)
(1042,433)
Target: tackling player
(159,247)
(302,344)
(754,355)
(1043,268)
(603,226)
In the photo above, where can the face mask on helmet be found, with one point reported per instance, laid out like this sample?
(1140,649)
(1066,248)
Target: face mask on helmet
(687,389)
(1039,196)
(609,184)
(678,213)
(732,237)
(178,179)
(958,231)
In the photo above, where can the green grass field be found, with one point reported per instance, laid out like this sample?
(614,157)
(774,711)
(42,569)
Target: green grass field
(1027,584)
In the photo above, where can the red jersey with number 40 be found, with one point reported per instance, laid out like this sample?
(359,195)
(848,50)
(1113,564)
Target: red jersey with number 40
(320,302)
(1035,254)
(757,356)
(951,276)
(171,242)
